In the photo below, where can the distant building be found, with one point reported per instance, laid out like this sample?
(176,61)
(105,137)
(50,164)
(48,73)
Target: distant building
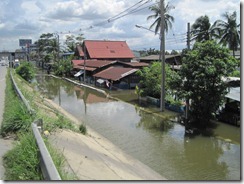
(20,55)
(170,59)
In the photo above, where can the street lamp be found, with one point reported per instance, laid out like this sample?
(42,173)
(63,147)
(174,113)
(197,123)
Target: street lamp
(145,28)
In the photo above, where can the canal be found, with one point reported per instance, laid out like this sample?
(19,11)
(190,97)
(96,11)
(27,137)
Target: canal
(160,144)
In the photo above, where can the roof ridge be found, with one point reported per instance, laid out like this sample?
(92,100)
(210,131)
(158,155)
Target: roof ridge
(106,40)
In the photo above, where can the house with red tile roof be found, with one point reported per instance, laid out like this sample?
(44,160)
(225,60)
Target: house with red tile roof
(91,67)
(106,63)
(105,50)
(117,77)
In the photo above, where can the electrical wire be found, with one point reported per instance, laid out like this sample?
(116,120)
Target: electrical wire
(122,14)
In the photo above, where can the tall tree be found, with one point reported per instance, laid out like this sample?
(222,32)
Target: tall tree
(150,84)
(229,31)
(157,12)
(71,41)
(202,70)
(45,47)
(202,30)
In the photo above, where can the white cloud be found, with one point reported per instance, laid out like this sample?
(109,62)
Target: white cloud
(31,18)
(189,10)
(87,9)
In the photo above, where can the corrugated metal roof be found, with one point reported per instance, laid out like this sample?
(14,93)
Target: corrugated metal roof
(135,64)
(85,68)
(234,94)
(108,49)
(97,63)
(156,57)
(92,63)
(115,73)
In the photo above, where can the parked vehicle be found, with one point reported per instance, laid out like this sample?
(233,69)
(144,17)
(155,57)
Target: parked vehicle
(16,63)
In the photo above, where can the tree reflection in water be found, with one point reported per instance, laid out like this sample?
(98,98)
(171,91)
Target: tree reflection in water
(149,121)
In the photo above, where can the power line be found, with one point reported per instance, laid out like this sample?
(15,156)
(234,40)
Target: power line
(124,13)
(126,10)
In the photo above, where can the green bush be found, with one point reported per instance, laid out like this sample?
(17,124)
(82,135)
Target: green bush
(22,162)
(26,71)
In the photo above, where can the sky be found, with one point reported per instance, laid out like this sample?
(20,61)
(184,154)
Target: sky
(96,20)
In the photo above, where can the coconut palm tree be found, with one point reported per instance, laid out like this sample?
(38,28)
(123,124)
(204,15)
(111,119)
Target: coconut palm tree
(202,30)
(229,31)
(157,13)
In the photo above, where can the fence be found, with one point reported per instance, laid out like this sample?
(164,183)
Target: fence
(48,168)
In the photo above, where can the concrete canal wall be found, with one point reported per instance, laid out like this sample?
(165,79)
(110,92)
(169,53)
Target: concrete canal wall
(93,157)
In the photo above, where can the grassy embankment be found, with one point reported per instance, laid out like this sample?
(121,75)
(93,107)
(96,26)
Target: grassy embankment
(22,162)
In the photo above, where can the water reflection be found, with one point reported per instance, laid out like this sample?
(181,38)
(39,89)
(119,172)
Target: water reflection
(148,121)
(160,144)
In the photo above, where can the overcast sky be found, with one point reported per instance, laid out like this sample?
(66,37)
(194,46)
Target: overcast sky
(28,19)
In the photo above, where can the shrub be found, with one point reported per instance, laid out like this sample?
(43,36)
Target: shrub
(26,71)
(82,129)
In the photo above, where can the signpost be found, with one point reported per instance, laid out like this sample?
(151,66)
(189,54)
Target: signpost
(25,42)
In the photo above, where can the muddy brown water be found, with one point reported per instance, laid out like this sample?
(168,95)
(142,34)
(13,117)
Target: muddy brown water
(162,145)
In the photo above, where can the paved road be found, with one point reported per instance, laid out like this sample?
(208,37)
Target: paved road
(5,145)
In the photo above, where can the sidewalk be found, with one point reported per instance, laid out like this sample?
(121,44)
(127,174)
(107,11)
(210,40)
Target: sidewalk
(5,145)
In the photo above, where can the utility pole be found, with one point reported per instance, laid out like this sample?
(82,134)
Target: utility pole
(58,48)
(162,55)
(188,48)
(188,36)
(84,50)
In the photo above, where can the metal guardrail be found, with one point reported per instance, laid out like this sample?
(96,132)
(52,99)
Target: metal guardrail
(31,111)
(48,168)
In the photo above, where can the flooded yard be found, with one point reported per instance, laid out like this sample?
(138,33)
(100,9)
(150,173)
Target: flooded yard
(160,144)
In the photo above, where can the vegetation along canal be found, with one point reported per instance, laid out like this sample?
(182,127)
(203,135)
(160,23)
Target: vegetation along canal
(164,149)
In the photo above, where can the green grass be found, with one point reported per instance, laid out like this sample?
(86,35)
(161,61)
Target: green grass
(60,163)
(15,117)
(22,162)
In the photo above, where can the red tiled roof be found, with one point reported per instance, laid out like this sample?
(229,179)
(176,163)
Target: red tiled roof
(80,51)
(97,63)
(76,62)
(115,73)
(91,65)
(108,49)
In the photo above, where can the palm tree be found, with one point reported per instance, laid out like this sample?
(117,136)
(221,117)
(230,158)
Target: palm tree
(229,31)
(157,13)
(202,30)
